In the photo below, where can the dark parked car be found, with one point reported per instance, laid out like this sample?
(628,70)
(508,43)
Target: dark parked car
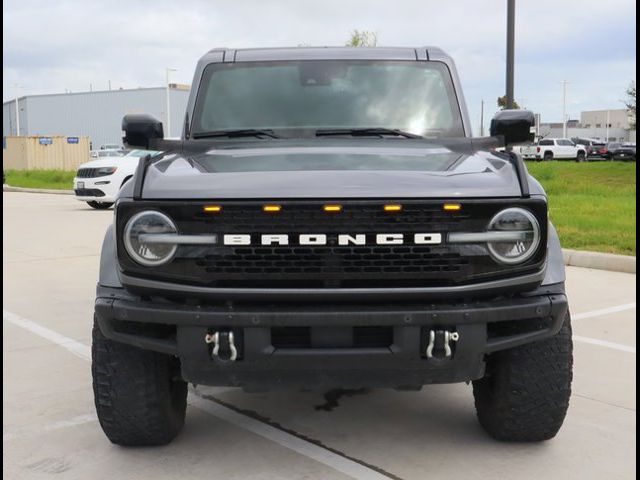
(620,151)
(593,146)
(327,221)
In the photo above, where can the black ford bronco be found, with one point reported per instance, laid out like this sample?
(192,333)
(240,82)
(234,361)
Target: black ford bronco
(327,220)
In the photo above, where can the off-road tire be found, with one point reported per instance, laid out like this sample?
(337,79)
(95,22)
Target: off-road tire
(100,205)
(548,156)
(139,396)
(525,393)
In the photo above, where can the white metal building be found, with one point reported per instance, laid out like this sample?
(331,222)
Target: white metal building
(97,115)
(606,125)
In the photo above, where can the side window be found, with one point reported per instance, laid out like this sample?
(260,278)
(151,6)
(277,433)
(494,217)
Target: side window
(545,143)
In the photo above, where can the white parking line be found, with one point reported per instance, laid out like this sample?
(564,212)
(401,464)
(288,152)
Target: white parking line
(308,449)
(598,313)
(603,311)
(75,347)
(604,343)
(303,447)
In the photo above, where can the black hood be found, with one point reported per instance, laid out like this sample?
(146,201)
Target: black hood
(328,168)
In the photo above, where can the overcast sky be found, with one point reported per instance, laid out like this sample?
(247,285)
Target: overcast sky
(50,46)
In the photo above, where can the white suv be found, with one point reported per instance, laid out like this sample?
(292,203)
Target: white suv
(555,148)
(97,182)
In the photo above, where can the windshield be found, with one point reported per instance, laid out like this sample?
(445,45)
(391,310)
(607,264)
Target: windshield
(295,96)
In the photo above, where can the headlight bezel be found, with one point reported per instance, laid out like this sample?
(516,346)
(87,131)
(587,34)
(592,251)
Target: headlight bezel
(530,252)
(131,250)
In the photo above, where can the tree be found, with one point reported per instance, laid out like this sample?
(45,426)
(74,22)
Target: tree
(502,103)
(362,38)
(630,102)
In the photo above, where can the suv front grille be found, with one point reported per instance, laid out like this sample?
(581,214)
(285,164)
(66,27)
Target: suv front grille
(90,173)
(331,265)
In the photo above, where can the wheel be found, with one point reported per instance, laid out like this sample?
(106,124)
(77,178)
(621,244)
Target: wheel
(139,395)
(548,156)
(100,205)
(525,393)
(581,157)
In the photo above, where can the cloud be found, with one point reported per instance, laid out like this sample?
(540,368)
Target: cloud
(52,46)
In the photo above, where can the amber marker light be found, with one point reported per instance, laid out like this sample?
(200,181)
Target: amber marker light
(271,208)
(212,208)
(393,208)
(332,208)
(452,207)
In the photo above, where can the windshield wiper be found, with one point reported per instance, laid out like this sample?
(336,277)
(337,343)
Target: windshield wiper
(365,132)
(246,132)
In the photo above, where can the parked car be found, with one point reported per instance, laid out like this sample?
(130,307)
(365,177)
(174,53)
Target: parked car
(312,243)
(592,145)
(97,182)
(111,146)
(107,153)
(620,151)
(555,149)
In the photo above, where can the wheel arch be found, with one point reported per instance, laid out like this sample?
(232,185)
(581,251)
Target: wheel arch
(109,276)
(555,260)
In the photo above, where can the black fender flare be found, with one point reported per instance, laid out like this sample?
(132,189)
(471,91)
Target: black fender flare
(109,274)
(555,272)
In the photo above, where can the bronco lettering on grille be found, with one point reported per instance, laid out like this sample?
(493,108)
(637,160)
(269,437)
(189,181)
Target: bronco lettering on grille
(340,239)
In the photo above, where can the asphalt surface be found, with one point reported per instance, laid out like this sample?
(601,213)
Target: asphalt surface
(51,246)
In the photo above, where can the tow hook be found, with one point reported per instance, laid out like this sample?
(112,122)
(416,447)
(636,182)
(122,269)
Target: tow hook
(440,343)
(223,346)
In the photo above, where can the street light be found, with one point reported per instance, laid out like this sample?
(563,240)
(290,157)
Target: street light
(17,87)
(564,108)
(169,70)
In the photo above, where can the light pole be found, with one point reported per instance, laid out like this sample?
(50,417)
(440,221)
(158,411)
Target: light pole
(511,28)
(482,117)
(608,120)
(169,70)
(564,108)
(17,87)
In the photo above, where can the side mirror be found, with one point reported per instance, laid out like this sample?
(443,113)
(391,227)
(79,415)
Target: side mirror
(141,131)
(513,125)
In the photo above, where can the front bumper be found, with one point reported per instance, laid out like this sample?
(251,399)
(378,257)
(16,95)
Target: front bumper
(483,326)
(98,189)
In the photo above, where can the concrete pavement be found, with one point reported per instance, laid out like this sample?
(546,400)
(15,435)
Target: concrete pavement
(51,247)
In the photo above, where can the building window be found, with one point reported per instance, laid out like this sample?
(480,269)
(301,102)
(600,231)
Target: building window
(588,125)
(598,125)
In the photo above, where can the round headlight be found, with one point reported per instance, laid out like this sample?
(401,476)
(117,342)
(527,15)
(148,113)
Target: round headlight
(143,250)
(517,235)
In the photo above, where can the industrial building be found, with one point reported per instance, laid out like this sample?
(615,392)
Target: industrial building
(605,125)
(97,115)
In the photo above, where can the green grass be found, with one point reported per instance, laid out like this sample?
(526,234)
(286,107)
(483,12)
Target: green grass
(53,179)
(593,205)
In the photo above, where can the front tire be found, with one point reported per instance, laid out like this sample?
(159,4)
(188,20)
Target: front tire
(139,396)
(525,393)
(100,205)
(581,157)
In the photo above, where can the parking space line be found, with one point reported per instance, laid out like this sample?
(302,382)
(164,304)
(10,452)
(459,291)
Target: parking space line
(75,347)
(306,448)
(604,311)
(604,343)
(309,449)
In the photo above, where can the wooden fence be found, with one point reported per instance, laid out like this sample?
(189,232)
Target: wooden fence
(44,152)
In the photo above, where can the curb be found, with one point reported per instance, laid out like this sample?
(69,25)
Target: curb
(573,258)
(599,261)
(8,188)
